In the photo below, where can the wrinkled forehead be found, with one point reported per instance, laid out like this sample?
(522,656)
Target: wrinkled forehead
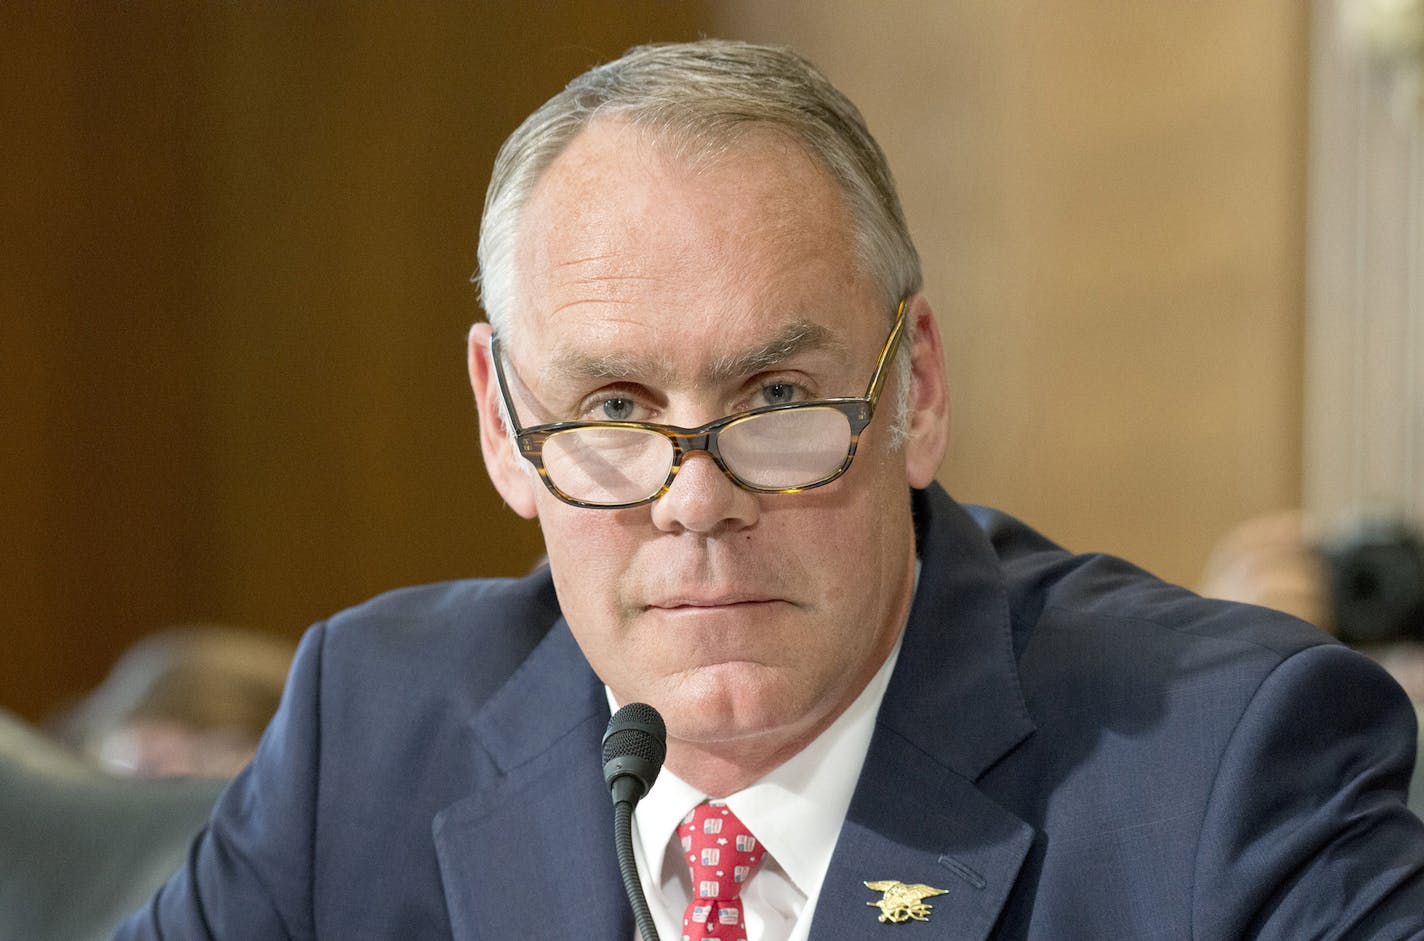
(617,178)
(724,360)
(730,254)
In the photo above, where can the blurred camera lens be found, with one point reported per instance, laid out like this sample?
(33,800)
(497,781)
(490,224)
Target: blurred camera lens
(1376,575)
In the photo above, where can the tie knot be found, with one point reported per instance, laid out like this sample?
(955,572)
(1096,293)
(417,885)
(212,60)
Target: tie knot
(720,849)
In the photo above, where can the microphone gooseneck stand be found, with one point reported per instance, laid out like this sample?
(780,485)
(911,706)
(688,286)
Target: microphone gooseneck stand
(623,843)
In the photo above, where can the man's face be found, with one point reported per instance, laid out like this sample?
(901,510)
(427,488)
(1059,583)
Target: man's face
(650,291)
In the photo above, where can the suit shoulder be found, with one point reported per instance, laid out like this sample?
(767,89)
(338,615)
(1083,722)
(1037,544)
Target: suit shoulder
(471,602)
(1062,599)
(472,633)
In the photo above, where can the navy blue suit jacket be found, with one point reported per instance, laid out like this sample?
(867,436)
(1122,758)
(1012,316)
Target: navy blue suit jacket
(1069,748)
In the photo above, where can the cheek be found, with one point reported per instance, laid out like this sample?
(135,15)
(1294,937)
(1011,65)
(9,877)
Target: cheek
(589,555)
(833,545)
(860,544)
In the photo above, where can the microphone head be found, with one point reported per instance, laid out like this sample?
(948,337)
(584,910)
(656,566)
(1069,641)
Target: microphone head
(633,751)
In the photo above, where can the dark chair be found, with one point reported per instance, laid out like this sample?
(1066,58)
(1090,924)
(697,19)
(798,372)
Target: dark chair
(1416,786)
(80,848)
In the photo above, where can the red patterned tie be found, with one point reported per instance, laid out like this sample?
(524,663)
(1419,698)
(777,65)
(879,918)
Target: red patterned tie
(723,855)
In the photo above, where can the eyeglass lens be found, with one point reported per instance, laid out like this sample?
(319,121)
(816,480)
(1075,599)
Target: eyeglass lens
(607,465)
(782,450)
(775,451)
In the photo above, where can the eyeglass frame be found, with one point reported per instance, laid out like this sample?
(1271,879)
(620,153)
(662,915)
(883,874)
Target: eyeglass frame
(858,411)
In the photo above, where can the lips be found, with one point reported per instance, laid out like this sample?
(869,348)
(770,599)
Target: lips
(720,601)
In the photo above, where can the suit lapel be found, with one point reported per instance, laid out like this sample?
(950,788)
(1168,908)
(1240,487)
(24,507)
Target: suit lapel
(953,708)
(530,852)
(913,824)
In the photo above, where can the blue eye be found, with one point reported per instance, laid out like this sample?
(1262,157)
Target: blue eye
(617,409)
(779,393)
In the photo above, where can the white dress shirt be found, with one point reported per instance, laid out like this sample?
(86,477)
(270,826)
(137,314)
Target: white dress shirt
(796,811)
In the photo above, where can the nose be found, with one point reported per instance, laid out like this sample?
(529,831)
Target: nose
(704,500)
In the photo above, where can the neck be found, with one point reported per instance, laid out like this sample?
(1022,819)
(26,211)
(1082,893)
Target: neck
(720,771)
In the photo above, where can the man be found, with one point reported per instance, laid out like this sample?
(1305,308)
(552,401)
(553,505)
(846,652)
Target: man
(710,375)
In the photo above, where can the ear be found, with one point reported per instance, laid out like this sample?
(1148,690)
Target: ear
(928,419)
(507,469)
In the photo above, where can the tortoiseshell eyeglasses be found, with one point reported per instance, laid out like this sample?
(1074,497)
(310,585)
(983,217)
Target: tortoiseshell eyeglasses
(773,449)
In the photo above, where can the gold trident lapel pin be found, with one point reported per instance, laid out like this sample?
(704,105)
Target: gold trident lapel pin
(903,902)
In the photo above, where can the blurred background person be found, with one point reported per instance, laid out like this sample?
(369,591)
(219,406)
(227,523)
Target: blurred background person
(1362,581)
(87,829)
(1271,561)
(185,701)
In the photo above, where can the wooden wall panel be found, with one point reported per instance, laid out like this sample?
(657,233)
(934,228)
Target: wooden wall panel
(100,466)
(238,239)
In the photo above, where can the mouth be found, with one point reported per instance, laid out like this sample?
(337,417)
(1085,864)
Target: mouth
(736,600)
(712,602)
(703,632)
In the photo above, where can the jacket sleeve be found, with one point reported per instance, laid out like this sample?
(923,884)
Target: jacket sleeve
(249,873)
(1278,861)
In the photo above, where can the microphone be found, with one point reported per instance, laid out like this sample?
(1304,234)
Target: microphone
(633,751)
(634,747)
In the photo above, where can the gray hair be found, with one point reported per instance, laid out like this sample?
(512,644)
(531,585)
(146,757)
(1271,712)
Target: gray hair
(698,99)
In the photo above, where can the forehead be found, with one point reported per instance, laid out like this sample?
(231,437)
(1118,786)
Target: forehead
(624,247)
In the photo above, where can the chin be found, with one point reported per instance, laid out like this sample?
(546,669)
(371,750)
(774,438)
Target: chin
(725,714)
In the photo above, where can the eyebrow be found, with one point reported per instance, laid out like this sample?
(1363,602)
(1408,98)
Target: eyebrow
(799,336)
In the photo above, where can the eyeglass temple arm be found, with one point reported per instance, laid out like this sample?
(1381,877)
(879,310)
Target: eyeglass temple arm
(503,383)
(887,355)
